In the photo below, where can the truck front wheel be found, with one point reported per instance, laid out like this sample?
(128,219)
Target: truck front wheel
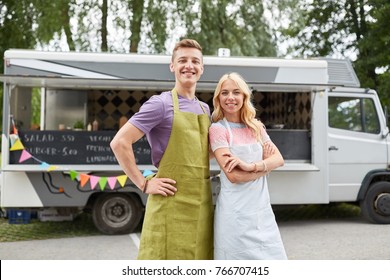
(376,204)
(116,213)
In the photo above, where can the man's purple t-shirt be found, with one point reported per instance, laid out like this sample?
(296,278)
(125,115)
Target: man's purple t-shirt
(155,120)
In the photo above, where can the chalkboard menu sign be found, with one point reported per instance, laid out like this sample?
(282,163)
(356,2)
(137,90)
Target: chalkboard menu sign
(74,147)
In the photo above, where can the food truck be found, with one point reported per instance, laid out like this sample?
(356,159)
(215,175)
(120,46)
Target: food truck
(332,134)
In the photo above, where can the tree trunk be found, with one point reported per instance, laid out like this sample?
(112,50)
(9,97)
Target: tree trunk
(104,46)
(66,26)
(137,7)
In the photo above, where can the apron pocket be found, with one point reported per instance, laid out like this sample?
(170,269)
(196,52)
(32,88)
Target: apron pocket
(267,227)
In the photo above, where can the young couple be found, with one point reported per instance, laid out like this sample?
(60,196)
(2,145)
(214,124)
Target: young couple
(179,220)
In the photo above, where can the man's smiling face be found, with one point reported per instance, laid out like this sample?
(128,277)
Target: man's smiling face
(187,65)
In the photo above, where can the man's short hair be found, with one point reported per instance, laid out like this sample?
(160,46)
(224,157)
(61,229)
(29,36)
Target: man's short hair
(186,43)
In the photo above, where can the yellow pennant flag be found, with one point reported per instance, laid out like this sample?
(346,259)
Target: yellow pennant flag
(122,180)
(52,167)
(17,146)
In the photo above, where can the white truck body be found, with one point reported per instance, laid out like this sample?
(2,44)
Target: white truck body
(334,139)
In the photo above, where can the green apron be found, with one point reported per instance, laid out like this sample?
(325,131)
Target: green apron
(181,226)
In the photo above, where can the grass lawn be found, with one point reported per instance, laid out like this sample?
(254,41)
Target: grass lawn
(82,225)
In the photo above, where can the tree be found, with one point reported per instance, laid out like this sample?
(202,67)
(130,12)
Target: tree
(16,25)
(53,20)
(103,30)
(137,9)
(237,25)
(356,29)
(16,30)
(128,25)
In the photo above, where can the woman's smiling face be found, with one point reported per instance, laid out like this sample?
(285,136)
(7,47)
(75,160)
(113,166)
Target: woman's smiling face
(231,99)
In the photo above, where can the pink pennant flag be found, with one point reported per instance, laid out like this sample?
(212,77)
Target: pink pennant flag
(93,180)
(25,156)
(112,182)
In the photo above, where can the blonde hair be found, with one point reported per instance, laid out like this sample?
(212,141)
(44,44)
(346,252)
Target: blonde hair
(247,112)
(186,43)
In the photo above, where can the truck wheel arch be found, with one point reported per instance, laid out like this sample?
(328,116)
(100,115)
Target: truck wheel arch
(370,178)
(374,197)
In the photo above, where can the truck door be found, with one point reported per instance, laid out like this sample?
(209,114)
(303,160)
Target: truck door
(355,142)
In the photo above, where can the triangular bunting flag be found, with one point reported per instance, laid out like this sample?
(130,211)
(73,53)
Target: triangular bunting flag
(73,175)
(112,182)
(102,183)
(146,173)
(52,167)
(17,146)
(122,180)
(13,138)
(93,180)
(45,165)
(84,178)
(24,156)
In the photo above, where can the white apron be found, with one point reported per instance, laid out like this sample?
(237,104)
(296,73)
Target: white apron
(244,225)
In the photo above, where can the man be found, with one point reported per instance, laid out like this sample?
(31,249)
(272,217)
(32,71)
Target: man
(178,220)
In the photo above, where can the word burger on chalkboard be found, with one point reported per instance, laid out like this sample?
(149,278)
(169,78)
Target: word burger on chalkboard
(74,147)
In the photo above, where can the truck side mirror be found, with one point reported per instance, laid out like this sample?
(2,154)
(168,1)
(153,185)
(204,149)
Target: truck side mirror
(385,132)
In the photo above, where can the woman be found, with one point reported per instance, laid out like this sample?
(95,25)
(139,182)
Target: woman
(244,225)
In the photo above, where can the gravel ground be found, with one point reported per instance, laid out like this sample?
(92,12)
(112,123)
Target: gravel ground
(335,239)
(324,239)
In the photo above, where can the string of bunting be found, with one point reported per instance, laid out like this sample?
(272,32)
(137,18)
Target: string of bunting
(83,178)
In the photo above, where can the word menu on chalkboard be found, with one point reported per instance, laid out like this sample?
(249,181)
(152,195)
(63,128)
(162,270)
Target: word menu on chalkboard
(75,147)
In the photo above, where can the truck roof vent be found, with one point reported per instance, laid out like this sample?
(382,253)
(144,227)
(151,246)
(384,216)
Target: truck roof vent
(340,72)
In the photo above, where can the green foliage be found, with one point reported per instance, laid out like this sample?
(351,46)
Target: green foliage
(52,19)
(356,29)
(384,89)
(136,7)
(79,124)
(157,16)
(36,106)
(16,24)
(239,26)
(1,110)
(139,25)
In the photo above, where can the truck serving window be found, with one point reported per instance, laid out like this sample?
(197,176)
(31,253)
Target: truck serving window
(355,114)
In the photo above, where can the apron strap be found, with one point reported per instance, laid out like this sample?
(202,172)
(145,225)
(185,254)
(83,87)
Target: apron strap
(230,132)
(176,101)
(203,109)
